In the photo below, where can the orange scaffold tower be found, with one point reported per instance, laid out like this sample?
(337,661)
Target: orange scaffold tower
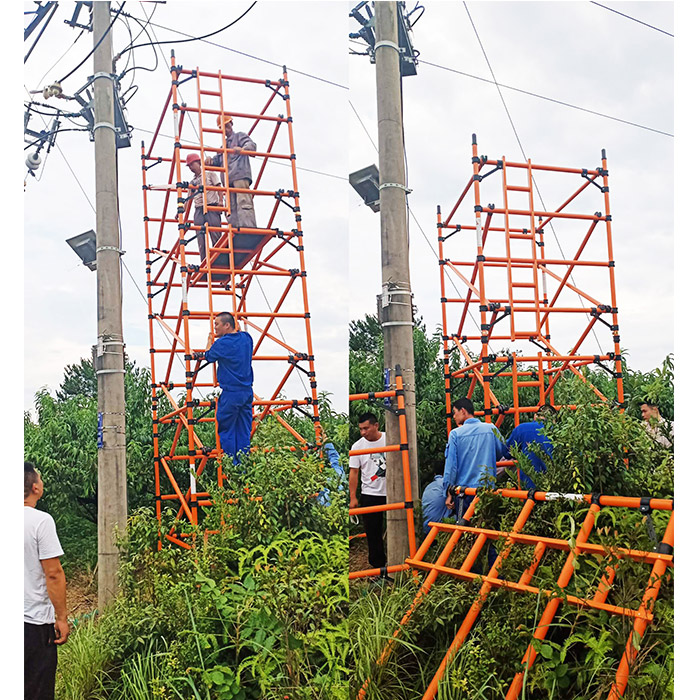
(256,274)
(492,252)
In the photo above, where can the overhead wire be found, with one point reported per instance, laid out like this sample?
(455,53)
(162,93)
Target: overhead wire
(410,211)
(195,38)
(522,151)
(41,31)
(249,55)
(634,19)
(544,97)
(60,58)
(94,48)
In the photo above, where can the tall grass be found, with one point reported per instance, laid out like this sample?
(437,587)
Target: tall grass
(82,664)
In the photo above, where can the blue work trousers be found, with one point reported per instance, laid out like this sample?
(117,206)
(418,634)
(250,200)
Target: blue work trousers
(234,418)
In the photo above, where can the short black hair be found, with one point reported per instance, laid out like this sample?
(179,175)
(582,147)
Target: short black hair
(30,477)
(368,416)
(461,404)
(649,402)
(546,410)
(227,317)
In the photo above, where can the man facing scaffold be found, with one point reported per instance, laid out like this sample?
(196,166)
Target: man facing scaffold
(232,350)
(239,174)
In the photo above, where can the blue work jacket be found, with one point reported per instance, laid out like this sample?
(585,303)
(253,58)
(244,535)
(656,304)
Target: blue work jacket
(472,451)
(233,354)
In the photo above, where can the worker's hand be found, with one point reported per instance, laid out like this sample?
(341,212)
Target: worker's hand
(208,160)
(236,150)
(450,502)
(210,340)
(62,631)
(354,503)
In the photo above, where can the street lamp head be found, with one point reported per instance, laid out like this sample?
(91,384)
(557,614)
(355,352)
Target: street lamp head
(85,247)
(366,183)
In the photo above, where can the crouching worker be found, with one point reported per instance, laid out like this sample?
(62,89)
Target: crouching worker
(433,501)
(232,350)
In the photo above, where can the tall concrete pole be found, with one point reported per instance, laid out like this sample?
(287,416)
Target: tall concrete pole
(111,453)
(395,305)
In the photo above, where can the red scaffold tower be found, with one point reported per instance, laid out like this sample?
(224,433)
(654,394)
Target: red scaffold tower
(258,274)
(492,251)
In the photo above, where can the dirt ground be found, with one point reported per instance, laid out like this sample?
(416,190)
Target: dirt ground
(358,554)
(81,593)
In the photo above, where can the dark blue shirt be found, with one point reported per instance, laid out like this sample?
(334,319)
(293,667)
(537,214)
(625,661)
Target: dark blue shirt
(233,354)
(527,434)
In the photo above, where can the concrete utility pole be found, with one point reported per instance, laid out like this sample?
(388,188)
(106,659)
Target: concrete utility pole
(395,306)
(111,453)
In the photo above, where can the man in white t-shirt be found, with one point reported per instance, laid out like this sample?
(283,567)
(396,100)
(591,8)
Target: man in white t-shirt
(45,616)
(371,467)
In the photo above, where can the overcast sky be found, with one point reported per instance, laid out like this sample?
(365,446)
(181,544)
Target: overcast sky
(577,53)
(59,203)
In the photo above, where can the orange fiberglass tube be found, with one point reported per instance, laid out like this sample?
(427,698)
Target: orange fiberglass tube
(642,616)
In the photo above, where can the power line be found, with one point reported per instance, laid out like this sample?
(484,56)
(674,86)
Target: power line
(548,99)
(634,19)
(94,48)
(249,55)
(41,31)
(363,126)
(544,97)
(195,38)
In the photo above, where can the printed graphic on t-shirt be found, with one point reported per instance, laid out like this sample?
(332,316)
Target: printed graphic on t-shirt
(379,465)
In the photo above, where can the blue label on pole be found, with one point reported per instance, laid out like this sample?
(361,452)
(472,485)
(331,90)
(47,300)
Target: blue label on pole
(100,437)
(387,386)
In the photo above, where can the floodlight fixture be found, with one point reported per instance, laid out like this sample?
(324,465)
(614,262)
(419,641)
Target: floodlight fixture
(366,183)
(85,247)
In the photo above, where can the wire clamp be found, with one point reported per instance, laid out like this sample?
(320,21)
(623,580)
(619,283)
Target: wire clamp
(106,125)
(395,184)
(390,44)
(110,247)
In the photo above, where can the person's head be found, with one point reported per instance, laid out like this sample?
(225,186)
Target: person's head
(369,427)
(224,323)
(462,409)
(228,124)
(650,410)
(545,413)
(194,163)
(33,484)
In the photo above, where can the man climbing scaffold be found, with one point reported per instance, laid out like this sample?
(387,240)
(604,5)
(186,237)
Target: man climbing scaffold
(233,352)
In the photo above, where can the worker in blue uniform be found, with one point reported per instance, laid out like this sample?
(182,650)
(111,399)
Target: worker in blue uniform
(471,455)
(472,451)
(433,506)
(232,350)
(527,434)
